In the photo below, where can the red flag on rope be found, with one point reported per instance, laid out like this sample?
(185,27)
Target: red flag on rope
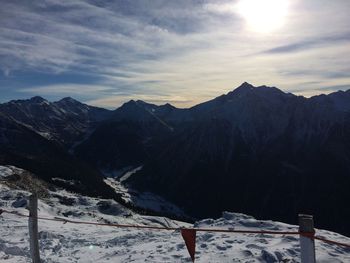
(189,235)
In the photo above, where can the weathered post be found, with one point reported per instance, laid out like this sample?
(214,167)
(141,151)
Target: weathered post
(33,228)
(307,244)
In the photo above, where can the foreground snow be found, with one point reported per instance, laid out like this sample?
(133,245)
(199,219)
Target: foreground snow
(86,243)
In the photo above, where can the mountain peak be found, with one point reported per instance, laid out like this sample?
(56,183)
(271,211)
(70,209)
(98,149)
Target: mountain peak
(245,85)
(248,89)
(37,99)
(129,103)
(69,100)
(168,105)
(138,103)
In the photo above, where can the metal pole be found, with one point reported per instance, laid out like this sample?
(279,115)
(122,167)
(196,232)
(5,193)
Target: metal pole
(33,228)
(307,244)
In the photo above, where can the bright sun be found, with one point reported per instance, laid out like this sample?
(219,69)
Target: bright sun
(263,15)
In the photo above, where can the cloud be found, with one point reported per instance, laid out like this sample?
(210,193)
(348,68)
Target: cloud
(327,73)
(310,44)
(321,90)
(336,88)
(59,36)
(83,91)
(220,8)
(184,51)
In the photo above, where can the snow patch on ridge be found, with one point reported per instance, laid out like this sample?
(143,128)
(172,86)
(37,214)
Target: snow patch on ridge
(8,170)
(145,200)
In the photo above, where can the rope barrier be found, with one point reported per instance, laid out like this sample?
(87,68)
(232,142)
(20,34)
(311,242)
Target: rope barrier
(64,221)
(331,241)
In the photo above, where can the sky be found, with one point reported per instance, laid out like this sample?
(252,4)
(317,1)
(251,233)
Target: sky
(182,52)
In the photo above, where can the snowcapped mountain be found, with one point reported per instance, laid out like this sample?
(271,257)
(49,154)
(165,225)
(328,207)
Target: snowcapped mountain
(64,121)
(68,242)
(255,150)
(22,144)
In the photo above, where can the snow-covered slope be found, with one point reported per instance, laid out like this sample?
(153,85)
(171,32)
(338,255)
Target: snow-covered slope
(143,200)
(87,243)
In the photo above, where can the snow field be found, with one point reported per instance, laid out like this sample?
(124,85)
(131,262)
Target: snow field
(88,243)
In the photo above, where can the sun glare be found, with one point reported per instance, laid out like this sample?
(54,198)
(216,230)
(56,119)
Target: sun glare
(263,15)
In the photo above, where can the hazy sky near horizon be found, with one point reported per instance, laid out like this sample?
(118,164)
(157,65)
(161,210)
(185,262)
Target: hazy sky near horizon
(181,52)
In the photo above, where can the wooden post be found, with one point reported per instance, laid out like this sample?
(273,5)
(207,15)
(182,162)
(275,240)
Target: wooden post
(307,245)
(33,228)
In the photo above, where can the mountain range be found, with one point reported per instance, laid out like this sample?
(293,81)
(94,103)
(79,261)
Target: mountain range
(255,150)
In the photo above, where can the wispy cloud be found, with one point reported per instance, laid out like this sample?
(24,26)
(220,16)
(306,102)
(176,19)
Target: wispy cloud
(321,90)
(66,89)
(183,51)
(336,88)
(310,44)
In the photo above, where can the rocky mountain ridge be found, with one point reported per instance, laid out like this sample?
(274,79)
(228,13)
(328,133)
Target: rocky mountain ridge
(255,150)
